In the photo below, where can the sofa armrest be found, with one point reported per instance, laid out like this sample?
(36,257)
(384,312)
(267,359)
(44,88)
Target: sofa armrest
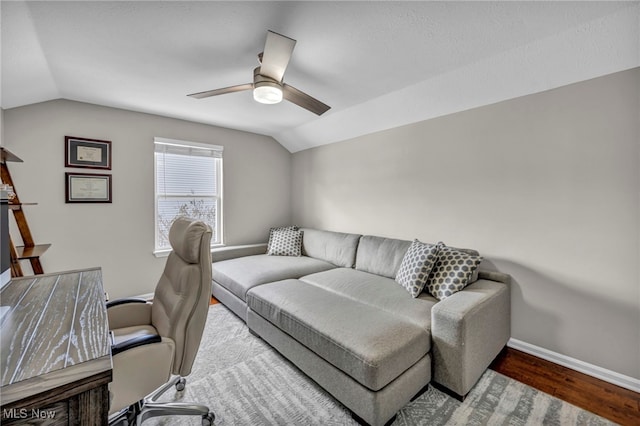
(468,331)
(232,252)
(128,314)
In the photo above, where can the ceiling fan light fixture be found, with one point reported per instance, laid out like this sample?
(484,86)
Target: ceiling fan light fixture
(267,92)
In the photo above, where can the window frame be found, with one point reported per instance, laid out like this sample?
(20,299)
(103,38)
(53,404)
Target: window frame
(219,226)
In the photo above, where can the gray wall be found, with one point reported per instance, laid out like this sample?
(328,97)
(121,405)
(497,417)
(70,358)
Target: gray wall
(545,186)
(119,237)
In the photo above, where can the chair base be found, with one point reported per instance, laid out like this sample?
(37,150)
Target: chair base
(148,408)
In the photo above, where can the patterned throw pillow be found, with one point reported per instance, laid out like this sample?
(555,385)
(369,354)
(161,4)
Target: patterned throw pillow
(279,228)
(452,272)
(286,242)
(416,265)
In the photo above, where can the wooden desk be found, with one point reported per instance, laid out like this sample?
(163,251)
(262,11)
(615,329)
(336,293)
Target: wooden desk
(55,353)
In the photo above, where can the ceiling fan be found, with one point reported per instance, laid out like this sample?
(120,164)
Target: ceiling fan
(268,87)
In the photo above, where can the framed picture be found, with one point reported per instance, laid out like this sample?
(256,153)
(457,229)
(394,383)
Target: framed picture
(87,188)
(90,153)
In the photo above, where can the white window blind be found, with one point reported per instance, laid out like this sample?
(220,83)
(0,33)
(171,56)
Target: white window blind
(188,182)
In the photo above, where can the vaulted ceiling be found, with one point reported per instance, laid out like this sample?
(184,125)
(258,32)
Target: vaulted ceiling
(377,64)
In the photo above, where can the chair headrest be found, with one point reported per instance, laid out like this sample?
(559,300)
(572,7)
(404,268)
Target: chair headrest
(185,236)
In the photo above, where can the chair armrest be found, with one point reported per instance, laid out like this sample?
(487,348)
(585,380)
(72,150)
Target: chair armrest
(232,252)
(125,300)
(128,313)
(134,343)
(468,330)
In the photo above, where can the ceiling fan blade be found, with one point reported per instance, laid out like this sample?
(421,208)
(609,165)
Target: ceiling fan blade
(276,55)
(222,91)
(305,101)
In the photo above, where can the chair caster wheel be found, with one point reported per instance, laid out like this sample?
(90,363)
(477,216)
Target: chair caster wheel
(207,420)
(182,383)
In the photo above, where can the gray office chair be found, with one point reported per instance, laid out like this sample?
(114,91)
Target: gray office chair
(153,340)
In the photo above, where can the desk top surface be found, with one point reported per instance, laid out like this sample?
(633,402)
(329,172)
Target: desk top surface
(53,330)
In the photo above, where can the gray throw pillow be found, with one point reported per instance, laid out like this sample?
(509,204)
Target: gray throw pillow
(286,242)
(452,272)
(416,266)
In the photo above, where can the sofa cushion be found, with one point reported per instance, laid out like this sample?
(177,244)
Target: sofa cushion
(453,272)
(378,292)
(285,242)
(240,274)
(334,247)
(416,266)
(371,346)
(380,256)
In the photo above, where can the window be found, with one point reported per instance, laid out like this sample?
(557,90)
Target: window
(188,182)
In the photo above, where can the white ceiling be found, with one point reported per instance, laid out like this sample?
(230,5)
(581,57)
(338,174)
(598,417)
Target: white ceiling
(377,64)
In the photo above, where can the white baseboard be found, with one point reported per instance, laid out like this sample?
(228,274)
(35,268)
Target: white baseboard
(617,379)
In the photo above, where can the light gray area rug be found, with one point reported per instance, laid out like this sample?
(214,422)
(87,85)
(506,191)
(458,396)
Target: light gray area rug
(246,382)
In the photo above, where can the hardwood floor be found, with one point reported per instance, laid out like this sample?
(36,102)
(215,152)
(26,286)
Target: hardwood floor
(612,402)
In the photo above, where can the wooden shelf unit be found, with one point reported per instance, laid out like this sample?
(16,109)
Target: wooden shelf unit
(29,250)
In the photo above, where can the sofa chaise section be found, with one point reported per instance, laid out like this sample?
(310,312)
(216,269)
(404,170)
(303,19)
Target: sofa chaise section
(370,346)
(373,407)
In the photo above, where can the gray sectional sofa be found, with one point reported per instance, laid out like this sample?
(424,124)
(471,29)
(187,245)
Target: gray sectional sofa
(338,315)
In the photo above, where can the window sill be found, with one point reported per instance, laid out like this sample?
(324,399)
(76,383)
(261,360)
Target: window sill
(165,252)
